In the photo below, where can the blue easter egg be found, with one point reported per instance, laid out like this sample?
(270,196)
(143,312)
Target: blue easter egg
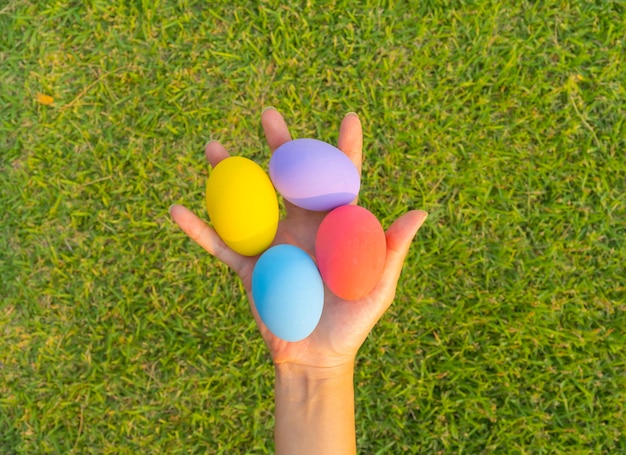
(288,292)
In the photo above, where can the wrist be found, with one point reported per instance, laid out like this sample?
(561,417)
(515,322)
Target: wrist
(306,385)
(314,409)
(288,371)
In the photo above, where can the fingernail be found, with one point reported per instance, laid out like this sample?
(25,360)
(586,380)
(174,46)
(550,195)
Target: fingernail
(268,108)
(352,113)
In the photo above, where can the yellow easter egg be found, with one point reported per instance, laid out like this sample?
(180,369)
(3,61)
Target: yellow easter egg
(242,205)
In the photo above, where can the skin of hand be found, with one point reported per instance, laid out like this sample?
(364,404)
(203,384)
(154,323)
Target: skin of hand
(343,326)
(314,392)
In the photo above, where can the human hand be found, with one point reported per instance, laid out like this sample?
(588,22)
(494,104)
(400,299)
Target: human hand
(344,325)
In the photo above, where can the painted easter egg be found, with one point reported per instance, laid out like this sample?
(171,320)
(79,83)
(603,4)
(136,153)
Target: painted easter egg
(314,175)
(288,292)
(242,205)
(350,248)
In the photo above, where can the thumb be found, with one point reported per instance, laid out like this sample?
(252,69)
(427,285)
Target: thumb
(399,237)
(400,234)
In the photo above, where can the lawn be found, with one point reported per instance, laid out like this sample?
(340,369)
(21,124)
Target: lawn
(504,120)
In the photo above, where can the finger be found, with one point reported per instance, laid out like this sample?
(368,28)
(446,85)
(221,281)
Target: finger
(215,152)
(399,237)
(275,128)
(206,237)
(276,134)
(400,234)
(351,139)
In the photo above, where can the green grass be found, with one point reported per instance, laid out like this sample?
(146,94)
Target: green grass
(505,121)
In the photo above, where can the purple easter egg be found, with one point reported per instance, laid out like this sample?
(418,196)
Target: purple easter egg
(314,175)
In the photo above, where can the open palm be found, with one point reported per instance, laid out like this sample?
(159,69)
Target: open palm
(344,325)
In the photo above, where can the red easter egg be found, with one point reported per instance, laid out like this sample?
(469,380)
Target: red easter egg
(350,248)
